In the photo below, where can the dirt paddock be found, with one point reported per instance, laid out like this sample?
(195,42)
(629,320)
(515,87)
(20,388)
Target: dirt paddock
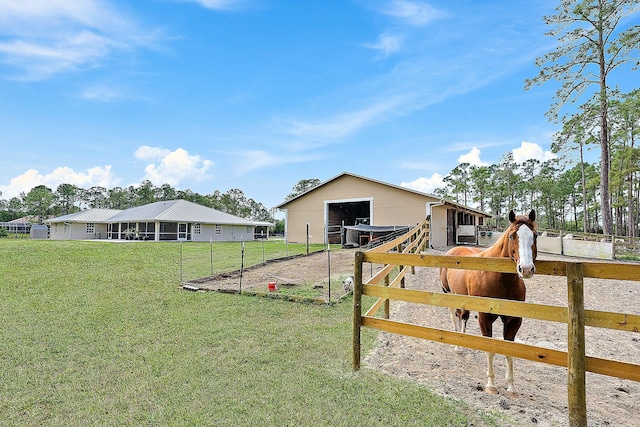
(543,388)
(302,275)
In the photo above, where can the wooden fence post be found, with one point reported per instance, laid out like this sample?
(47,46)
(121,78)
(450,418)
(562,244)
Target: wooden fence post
(387,303)
(576,357)
(357,309)
(400,267)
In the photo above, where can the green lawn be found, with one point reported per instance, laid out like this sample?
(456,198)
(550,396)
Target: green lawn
(97,333)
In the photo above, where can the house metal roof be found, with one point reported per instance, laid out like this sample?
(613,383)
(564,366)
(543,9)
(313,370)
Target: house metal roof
(165,211)
(89,215)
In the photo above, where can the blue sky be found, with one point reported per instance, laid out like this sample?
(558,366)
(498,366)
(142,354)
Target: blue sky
(258,94)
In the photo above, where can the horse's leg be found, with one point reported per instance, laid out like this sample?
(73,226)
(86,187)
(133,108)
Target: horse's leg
(454,319)
(511,388)
(511,327)
(464,317)
(486,327)
(491,386)
(458,325)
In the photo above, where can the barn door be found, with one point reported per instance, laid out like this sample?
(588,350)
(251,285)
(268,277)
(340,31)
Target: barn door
(451,227)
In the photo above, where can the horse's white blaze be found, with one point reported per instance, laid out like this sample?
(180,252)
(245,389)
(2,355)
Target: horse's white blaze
(525,243)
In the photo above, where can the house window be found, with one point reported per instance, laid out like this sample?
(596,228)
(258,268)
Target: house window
(91,228)
(218,229)
(196,228)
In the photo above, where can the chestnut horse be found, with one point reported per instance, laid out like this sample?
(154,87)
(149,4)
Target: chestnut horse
(518,243)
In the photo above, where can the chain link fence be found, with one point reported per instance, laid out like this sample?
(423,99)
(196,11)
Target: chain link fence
(204,259)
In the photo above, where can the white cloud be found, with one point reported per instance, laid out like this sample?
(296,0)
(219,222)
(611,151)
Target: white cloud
(96,176)
(42,38)
(258,159)
(414,12)
(342,125)
(425,76)
(531,150)
(172,167)
(387,44)
(145,152)
(217,4)
(425,185)
(104,93)
(473,158)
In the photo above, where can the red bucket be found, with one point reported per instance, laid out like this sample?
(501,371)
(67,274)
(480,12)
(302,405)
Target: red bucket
(272,287)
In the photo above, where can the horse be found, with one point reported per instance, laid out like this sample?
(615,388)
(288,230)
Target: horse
(519,242)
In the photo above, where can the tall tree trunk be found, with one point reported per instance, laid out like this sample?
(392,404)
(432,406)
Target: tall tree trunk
(631,223)
(585,212)
(607,222)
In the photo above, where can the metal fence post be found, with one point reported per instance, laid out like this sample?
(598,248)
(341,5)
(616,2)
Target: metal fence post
(357,309)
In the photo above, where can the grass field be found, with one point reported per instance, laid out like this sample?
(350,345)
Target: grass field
(97,333)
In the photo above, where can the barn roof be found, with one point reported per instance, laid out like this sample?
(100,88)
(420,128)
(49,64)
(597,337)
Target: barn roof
(398,187)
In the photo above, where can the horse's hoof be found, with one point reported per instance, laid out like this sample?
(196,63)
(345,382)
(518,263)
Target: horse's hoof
(491,390)
(513,394)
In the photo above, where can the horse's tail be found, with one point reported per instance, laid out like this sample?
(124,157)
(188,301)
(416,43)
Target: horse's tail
(443,281)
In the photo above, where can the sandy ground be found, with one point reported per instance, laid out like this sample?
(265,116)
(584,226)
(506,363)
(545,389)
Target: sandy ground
(543,388)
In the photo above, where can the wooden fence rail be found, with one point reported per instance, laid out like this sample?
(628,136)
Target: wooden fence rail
(574,315)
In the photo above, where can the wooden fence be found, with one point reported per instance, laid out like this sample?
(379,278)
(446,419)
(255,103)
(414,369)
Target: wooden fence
(405,253)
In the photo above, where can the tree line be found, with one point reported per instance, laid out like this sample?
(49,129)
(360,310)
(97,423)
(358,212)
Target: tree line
(566,190)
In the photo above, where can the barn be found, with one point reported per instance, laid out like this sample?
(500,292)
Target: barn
(349,201)
(160,221)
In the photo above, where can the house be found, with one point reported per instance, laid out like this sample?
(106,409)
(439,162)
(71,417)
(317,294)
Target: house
(159,221)
(20,225)
(349,201)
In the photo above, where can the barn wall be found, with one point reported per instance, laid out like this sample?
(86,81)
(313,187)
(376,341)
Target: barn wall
(438,227)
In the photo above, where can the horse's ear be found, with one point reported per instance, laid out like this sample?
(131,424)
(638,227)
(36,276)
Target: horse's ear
(512,216)
(532,215)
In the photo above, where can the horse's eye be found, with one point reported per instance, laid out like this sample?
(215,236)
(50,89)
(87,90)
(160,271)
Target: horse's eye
(511,236)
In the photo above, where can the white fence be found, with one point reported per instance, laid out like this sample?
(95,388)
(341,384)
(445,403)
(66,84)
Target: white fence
(565,245)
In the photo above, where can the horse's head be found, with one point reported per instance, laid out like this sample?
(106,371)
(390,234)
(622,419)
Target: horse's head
(522,238)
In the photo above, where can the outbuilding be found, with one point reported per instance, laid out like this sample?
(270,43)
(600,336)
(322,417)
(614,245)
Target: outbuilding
(322,213)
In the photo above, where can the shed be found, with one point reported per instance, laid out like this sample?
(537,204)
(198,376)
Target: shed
(39,232)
